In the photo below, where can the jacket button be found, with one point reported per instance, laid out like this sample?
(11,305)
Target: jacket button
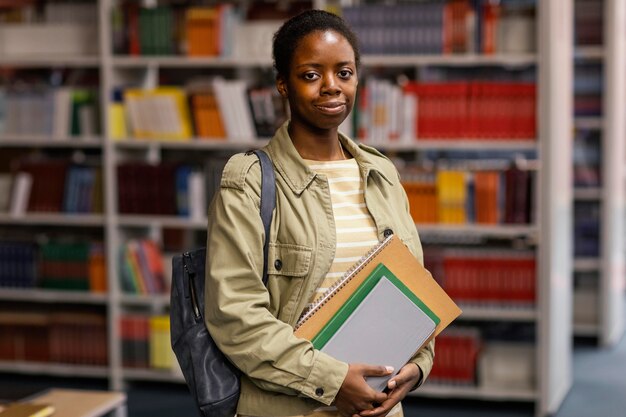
(387,232)
(278,264)
(319,392)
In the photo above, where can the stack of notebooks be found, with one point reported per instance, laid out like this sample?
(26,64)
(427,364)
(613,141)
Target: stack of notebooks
(381,312)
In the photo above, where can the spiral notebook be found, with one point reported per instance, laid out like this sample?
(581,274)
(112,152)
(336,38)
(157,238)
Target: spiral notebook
(400,262)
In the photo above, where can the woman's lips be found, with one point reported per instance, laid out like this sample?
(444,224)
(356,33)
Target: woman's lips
(332,107)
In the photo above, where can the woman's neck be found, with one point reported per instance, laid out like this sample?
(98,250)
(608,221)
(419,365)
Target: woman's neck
(316,147)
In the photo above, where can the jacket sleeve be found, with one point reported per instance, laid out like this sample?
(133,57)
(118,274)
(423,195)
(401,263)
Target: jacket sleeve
(424,358)
(237,306)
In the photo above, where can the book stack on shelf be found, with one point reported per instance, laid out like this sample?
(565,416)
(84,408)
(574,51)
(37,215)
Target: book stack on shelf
(211,108)
(145,344)
(53,264)
(444,111)
(474,193)
(76,337)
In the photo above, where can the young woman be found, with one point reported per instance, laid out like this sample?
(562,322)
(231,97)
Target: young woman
(334,201)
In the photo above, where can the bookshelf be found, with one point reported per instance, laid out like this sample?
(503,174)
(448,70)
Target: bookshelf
(550,233)
(600,304)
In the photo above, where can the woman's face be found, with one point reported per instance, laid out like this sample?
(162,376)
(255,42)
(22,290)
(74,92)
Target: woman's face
(322,81)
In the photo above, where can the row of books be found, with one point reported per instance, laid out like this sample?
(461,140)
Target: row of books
(146,342)
(587,158)
(452,26)
(457,351)
(78,266)
(60,112)
(70,337)
(445,110)
(163,30)
(485,277)
(52,185)
(588,22)
(196,30)
(220,108)
(141,268)
(588,87)
(49,12)
(460,196)
(215,109)
(168,188)
(471,356)
(586,228)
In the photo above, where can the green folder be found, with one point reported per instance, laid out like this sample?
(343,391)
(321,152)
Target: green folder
(381,323)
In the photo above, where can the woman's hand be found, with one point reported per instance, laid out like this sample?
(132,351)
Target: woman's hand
(355,395)
(398,387)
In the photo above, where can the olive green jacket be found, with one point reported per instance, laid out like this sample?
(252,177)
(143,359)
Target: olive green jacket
(284,375)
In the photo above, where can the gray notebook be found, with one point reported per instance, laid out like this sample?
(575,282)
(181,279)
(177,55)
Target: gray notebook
(382,323)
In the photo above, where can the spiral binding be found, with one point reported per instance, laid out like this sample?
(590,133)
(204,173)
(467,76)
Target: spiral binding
(332,290)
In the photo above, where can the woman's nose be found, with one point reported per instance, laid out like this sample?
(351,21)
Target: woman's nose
(330,85)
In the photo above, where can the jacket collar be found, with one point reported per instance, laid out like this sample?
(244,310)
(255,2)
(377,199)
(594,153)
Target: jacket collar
(290,165)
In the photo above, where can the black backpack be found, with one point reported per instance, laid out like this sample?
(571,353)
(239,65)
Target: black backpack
(212,379)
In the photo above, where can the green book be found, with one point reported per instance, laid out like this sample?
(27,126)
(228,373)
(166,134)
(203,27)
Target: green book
(382,323)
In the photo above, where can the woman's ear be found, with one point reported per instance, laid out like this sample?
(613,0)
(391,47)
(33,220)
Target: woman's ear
(281,86)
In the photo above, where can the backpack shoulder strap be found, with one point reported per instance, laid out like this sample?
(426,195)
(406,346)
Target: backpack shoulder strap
(268,202)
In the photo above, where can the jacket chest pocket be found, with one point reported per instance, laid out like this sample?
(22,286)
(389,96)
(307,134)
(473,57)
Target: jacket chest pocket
(288,266)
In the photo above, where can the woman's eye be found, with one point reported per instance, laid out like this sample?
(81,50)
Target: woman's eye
(310,76)
(345,74)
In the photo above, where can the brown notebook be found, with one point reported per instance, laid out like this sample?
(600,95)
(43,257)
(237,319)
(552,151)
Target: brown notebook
(400,261)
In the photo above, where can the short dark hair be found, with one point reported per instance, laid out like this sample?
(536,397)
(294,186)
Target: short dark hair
(287,38)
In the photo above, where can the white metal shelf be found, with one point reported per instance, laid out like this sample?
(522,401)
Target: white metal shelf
(54,369)
(450,391)
(592,52)
(125,61)
(458,60)
(152,375)
(49,142)
(588,193)
(53,219)
(587,264)
(498,313)
(588,122)
(51,296)
(49,61)
(505,231)
(156,301)
(196,144)
(586,329)
(504,144)
(147,220)
(212,144)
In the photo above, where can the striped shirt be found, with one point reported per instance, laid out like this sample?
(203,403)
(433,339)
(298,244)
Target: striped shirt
(356,230)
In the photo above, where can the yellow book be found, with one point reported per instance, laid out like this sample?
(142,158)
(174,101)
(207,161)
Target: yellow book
(27,410)
(161,355)
(451,194)
(161,113)
(117,121)
(171,104)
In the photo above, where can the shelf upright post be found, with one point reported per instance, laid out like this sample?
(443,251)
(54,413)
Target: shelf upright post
(110,197)
(611,289)
(554,97)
